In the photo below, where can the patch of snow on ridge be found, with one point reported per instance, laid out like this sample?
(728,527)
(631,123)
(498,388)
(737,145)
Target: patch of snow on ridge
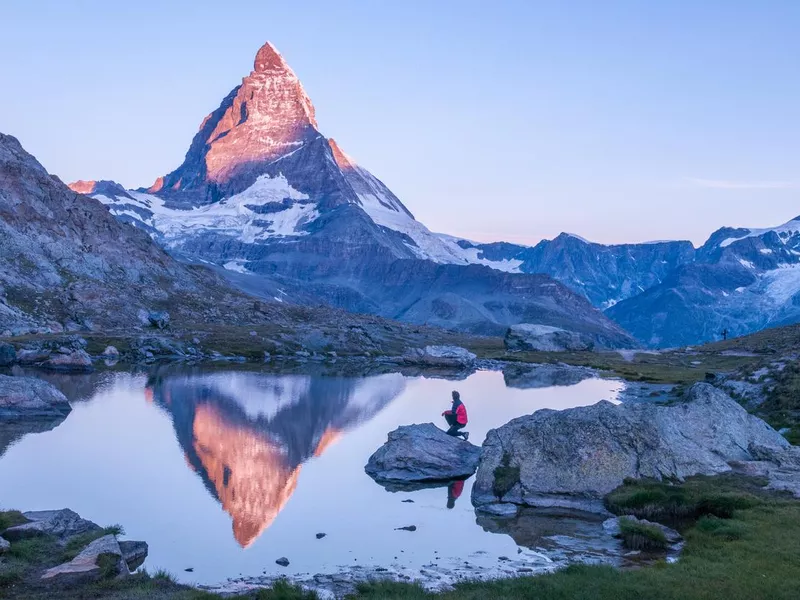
(784,231)
(232,216)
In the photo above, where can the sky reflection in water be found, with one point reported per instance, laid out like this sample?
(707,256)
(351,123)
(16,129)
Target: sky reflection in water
(224,472)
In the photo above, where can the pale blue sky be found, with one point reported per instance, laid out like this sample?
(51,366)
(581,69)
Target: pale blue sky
(617,120)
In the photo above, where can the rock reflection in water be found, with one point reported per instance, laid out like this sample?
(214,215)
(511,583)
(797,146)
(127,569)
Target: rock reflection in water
(247,435)
(564,535)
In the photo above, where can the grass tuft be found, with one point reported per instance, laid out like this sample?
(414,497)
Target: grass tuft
(11,518)
(640,536)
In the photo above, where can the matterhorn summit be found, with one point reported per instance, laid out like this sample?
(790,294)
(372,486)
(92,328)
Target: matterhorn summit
(284,213)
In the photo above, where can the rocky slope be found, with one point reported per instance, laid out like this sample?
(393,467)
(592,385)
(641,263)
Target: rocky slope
(65,263)
(285,214)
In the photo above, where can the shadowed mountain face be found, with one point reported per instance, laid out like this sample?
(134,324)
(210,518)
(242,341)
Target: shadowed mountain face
(287,215)
(247,435)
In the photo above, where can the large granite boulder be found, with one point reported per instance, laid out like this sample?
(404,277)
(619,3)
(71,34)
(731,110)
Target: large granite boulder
(544,338)
(572,458)
(440,356)
(28,397)
(415,453)
(72,361)
(103,558)
(62,524)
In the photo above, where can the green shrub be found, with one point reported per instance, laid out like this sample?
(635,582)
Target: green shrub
(640,536)
(10,518)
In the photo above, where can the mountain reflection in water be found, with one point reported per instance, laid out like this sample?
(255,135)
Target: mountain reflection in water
(247,435)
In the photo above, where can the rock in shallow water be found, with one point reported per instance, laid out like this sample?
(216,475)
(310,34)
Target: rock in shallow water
(573,457)
(75,361)
(415,453)
(28,397)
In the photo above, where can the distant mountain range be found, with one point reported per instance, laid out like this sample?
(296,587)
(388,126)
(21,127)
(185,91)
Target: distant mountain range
(285,214)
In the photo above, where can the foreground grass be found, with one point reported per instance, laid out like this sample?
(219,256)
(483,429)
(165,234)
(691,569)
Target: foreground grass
(753,554)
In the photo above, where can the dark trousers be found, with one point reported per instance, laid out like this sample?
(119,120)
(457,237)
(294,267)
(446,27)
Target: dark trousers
(455,426)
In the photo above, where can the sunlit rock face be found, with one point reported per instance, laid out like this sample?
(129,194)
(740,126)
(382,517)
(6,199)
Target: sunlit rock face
(264,118)
(247,435)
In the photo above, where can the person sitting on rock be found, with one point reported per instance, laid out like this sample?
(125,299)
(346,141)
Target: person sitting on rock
(456,417)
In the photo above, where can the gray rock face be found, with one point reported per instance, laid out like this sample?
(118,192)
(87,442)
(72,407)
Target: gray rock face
(415,453)
(87,565)
(110,352)
(544,338)
(573,457)
(440,356)
(62,523)
(27,397)
(74,361)
(134,553)
(8,355)
(4,545)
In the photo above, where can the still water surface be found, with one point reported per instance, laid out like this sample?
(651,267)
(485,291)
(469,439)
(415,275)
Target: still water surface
(224,472)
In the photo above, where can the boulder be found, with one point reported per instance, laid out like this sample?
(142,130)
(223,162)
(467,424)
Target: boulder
(134,553)
(8,355)
(415,453)
(544,338)
(28,397)
(62,524)
(4,545)
(101,559)
(32,356)
(159,320)
(110,352)
(572,458)
(440,356)
(70,361)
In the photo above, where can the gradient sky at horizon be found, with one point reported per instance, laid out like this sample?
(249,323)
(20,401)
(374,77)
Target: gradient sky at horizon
(620,121)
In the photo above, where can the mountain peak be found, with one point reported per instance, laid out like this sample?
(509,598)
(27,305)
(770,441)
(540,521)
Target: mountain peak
(269,59)
(268,116)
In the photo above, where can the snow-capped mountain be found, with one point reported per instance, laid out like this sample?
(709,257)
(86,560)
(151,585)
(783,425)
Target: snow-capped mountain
(286,214)
(741,280)
(603,274)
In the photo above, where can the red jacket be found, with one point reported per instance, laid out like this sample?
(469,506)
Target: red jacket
(461,413)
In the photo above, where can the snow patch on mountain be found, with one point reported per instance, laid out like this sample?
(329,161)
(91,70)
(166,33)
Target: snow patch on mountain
(784,232)
(269,208)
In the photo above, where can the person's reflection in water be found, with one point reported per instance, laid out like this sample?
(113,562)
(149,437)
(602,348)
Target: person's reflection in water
(454,491)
